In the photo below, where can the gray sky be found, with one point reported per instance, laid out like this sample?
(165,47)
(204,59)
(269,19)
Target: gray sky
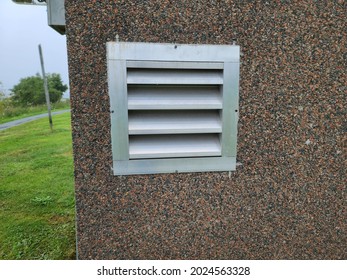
(22,29)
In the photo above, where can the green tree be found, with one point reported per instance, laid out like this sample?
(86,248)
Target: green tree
(2,92)
(30,90)
(5,101)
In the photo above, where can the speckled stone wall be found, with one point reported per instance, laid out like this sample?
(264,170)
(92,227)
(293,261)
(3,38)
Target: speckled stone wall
(286,201)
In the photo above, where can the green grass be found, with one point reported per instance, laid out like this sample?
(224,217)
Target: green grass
(37,214)
(8,112)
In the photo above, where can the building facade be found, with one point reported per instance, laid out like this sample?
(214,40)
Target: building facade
(287,197)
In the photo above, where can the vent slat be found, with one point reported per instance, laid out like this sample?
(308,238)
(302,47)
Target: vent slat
(171,146)
(171,98)
(174,64)
(174,76)
(172,122)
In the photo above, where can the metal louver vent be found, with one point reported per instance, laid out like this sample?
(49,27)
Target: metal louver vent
(174,108)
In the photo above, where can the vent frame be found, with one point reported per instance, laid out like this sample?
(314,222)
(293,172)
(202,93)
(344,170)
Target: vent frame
(219,62)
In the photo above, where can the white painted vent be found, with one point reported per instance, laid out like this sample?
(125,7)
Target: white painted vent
(174,108)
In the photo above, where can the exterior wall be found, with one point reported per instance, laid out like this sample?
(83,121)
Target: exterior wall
(286,201)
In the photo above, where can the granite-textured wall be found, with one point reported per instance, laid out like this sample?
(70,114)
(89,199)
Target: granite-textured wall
(286,201)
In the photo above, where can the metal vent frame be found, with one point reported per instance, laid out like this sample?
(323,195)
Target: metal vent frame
(145,67)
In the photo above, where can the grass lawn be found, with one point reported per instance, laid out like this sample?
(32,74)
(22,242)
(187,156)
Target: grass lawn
(37,214)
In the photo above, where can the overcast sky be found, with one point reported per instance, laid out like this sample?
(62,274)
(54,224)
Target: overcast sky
(22,29)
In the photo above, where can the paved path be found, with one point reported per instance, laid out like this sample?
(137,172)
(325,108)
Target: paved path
(29,119)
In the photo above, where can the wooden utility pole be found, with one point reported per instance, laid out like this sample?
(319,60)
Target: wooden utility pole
(45,84)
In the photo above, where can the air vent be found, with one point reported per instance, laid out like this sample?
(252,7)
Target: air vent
(174,108)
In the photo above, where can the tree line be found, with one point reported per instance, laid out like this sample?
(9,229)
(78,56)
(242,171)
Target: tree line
(30,91)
